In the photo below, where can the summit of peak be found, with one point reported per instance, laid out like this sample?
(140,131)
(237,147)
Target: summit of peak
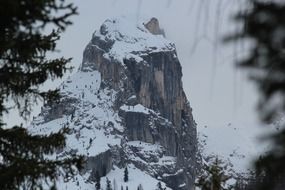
(123,37)
(153,27)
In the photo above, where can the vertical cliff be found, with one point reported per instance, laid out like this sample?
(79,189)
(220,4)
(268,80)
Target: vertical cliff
(126,107)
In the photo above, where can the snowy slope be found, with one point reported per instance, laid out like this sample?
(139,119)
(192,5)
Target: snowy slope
(137,177)
(235,144)
(92,112)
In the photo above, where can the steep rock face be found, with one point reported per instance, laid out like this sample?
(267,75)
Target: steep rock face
(155,80)
(128,96)
(101,163)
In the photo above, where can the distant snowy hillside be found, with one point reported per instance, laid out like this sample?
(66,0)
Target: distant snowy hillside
(236,144)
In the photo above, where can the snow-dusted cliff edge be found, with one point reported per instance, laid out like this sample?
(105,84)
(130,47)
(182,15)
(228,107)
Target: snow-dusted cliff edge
(126,108)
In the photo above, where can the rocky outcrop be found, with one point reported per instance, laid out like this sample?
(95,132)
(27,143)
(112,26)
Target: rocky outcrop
(101,163)
(56,110)
(126,106)
(153,27)
(154,80)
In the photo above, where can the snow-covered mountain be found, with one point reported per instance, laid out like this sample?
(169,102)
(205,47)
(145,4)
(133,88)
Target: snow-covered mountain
(126,107)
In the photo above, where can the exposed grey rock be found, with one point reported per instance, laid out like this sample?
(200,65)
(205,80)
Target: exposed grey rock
(156,84)
(153,26)
(101,163)
(57,109)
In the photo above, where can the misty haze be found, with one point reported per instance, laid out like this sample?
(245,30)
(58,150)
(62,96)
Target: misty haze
(142,94)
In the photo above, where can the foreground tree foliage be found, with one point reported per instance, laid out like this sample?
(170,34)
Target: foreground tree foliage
(264,25)
(23,68)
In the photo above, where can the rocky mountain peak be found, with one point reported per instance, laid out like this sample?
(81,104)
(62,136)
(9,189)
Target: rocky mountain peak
(153,27)
(126,107)
(121,38)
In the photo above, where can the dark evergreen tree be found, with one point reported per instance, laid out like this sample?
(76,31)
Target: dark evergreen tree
(159,186)
(108,184)
(213,176)
(97,180)
(140,187)
(72,116)
(126,174)
(264,24)
(23,68)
